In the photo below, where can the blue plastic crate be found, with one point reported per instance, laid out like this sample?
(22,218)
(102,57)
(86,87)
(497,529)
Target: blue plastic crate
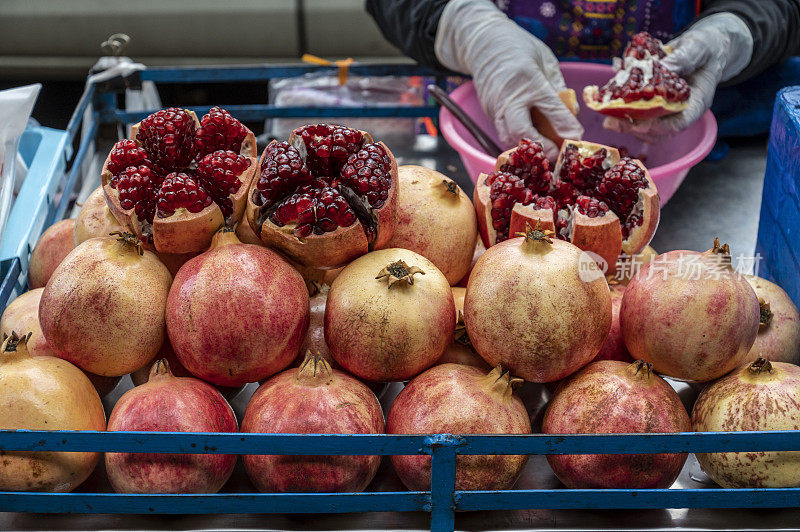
(48,154)
(779,226)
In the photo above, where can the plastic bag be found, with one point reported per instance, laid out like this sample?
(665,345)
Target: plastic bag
(15,109)
(323,90)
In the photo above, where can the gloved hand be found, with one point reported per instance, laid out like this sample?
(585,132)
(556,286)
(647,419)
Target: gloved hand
(513,71)
(715,49)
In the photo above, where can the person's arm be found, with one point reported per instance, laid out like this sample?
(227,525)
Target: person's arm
(410,25)
(773,24)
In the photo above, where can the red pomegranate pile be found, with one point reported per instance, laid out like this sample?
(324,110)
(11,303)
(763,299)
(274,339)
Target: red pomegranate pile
(642,87)
(325,196)
(599,201)
(179,179)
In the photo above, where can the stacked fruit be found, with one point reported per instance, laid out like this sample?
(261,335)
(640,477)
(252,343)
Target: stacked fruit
(193,329)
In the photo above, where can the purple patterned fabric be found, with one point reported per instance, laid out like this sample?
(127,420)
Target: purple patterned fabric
(597,29)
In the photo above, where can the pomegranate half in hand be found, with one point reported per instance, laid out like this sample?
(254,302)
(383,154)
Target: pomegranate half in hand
(179,179)
(642,88)
(600,202)
(324,197)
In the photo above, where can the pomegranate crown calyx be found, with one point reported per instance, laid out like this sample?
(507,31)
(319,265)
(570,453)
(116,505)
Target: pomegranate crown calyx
(14,342)
(502,381)
(760,365)
(451,186)
(160,368)
(537,234)
(460,334)
(399,272)
(764,314)
(129,239)
(641,367)
(314,366)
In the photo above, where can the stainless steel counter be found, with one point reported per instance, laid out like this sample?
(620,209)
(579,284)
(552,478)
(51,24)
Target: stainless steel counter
(717,199)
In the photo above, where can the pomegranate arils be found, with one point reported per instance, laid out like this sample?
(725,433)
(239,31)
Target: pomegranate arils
(283,171)
(529,162)
(134,185)
(328,147)
(218,131)
(506,190)
(643,44)
(181,190)
(168,137)
(125,153)
(620,190)
(591,207)
(315,211)
(367,173)
(219,173)
(582,172)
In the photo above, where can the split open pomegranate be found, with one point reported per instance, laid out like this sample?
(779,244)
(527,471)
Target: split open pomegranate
(325,196)
(178,179)
(642,87)
(599,201)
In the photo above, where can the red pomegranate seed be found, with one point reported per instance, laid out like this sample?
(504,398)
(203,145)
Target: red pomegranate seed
(643,43)
(367,172)
(283,171)
(168,138)
(329,147)
(218,173)
(181,190)
(125,153)
(619,189)
(315,211)
(591,207)
(135,185)
(218,131)
(529,162)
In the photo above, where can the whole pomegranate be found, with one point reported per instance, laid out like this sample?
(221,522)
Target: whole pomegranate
(642,87)
(389,315)
(614,346)
(538,306)
(610,397)
(778,338)
(51,248)
(179,179)
(236,313)
(436,219)
(45,393)
(690,314)
(762,395)
(22,314)
(313,399)
(166,403)
(324,197)
(457,399)
(103,308)
(460,350)
(603,203)
(95,218)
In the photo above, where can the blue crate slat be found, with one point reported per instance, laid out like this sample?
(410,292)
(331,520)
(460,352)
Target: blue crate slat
(11,269)
(350,444)
(443,483)
(266,72)
(601,499)
(249,113)
(219,503)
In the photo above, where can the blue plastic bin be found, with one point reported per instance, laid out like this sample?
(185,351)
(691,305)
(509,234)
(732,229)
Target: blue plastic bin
(778,242)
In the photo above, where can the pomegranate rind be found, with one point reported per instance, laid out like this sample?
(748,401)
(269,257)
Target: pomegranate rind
(650,206)
(655,107)
(586,148)
(600,236)
(335,248)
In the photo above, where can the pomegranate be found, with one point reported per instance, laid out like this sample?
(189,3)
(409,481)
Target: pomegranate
(538,306)
(179,179)
(642,87)
(314,399)
(600,202)
(103,308)
(324,197)
(628,266)
(778,338)
(762,395)
(690,314)
(246,234)
(166,403)
(436,219)
(457,399)
(29,389)
(614,346)
(389,316)
(460,350)
(236,313)
(22,314)
(480,249)
(51,248)
(95,218)
(609,397)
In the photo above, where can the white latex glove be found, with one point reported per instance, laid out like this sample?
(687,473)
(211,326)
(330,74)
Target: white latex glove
(714,49)
(513,71)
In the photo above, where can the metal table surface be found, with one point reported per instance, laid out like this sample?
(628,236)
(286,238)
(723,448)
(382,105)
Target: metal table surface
(717,199)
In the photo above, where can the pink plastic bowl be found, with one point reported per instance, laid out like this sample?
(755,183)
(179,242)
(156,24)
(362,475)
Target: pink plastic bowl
(668,161)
